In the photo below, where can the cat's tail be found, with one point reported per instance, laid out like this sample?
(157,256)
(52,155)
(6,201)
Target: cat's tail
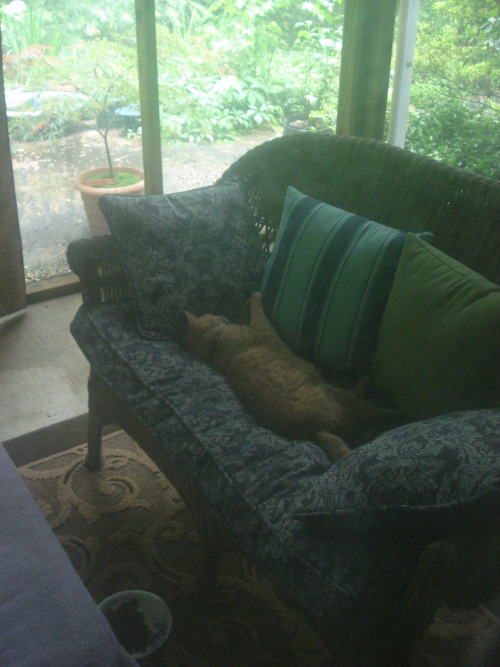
(332,445)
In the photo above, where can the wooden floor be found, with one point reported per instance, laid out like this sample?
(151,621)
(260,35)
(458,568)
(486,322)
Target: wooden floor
(43,374)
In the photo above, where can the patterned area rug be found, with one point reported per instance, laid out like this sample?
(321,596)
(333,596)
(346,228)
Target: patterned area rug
(125,527)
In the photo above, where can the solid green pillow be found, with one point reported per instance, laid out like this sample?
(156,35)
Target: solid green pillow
(438,348)
(327,282)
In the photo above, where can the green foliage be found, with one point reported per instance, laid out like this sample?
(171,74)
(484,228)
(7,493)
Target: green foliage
(455,100)
(459,48)
(106,81)
(258,37)
(118,179)
(98,77)
(460,134)
(46,126)
(182,17)
(203,108)
(53,24)
(206,94)
(94,19)
(227,67)
(104,72)
(316,57)
(27,24)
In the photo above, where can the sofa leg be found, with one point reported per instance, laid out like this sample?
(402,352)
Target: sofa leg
(94,458)
(209,565)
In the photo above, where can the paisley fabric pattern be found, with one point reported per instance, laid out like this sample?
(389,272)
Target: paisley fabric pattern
(256,481)
(442,473)
(194,250)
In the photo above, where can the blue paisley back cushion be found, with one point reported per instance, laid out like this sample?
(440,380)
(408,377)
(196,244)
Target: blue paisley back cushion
(196,250)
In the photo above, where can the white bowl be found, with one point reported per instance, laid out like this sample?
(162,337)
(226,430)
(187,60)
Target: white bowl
(132,613)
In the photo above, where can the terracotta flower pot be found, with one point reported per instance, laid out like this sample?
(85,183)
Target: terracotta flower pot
(90,195)
(301,122)
(298,122)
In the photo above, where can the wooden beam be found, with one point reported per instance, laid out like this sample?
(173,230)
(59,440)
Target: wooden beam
(12,291)
(51,288)
(148,90)
(365,67)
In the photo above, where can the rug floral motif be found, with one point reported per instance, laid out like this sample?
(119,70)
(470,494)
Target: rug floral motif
(125,527)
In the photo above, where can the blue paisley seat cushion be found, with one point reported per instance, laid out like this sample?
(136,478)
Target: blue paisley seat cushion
(255,488)
(441,473)
(195,250)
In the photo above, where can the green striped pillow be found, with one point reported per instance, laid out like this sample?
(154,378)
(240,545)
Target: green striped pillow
(327,282)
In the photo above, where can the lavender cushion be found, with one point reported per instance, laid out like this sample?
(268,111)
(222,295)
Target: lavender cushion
(47,616)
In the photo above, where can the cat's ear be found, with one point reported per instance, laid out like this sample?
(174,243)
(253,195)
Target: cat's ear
(192,322)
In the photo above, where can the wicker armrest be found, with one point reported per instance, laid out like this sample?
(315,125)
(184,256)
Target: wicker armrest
(96,262)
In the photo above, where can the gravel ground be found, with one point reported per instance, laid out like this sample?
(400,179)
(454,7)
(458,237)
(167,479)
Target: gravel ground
(50,210)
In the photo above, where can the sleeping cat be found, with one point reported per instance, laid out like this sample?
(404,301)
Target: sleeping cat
(284,392)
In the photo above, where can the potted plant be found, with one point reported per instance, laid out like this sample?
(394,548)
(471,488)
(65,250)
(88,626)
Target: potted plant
(99,75)
(111,90)
(311,102)
(84,87)
(312,121)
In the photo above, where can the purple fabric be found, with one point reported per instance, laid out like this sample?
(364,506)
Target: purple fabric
(47,616)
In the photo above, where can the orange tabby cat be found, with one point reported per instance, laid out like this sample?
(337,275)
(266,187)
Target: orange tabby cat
(284,392)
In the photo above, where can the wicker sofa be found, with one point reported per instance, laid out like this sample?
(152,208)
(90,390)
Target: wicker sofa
(369,582)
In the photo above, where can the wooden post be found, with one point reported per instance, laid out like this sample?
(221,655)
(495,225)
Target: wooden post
(365,67)
(12,287)
(148,90)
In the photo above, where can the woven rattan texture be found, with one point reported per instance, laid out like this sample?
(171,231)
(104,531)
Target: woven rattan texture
(368,177)
(381,182)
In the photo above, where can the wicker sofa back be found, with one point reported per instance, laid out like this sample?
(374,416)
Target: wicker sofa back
(370,178)
(381,182)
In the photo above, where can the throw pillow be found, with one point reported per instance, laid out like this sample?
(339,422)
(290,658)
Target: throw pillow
(440,473)
(438,348)
(327,282)
(196,250)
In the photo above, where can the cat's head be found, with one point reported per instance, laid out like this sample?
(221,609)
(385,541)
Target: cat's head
(201,335)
